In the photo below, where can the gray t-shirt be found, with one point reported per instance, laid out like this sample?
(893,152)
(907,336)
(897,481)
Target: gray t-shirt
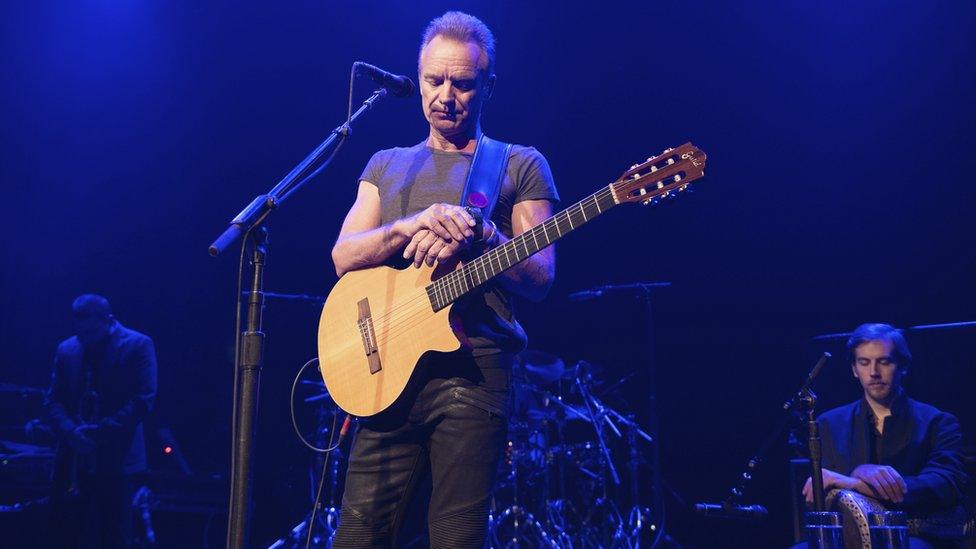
(410,179)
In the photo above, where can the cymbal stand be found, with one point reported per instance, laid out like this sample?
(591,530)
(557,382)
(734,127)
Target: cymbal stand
(612,520)
(640,517)
(598,414)
(525,527)
(559,510)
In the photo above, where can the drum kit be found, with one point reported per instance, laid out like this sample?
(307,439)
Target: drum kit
(559,482)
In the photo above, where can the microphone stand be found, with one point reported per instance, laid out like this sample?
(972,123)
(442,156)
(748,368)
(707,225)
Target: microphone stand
(816,453)
(250,222)
(804,395)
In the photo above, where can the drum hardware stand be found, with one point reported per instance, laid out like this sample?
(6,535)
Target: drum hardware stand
(557,509)
(639,515)
(598,413)
(522,519)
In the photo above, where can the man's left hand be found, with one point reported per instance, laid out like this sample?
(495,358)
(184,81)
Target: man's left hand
(831,479)
(427,247)
(884,481)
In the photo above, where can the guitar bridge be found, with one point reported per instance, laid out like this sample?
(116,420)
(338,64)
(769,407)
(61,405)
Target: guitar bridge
(368,335)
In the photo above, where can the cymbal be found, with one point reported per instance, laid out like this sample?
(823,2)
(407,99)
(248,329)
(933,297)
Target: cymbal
(539,367)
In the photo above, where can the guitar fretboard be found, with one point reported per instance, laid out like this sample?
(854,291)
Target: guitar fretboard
(447,289)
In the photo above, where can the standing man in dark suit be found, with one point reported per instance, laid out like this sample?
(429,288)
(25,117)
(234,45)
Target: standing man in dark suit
(102,387)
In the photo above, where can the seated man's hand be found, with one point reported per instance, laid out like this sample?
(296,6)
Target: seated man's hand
(831,479)
(883,481)
(427,247)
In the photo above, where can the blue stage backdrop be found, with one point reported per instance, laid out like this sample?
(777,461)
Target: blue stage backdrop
(839,190)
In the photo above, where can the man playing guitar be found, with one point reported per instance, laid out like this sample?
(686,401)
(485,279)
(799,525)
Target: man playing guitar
(451,421)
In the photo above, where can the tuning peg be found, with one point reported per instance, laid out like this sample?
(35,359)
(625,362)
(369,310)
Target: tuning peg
(677,177)
(670,161)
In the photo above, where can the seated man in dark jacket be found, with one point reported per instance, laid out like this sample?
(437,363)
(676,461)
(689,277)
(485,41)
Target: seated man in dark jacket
(885,445)
(102,387)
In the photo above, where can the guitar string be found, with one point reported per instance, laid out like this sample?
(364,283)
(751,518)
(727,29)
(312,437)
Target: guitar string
(458,280)
(403,319)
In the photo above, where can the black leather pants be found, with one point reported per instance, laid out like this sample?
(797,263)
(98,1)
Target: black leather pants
(452,426)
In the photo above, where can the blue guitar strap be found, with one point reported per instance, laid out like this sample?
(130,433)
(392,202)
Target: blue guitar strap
(485,177)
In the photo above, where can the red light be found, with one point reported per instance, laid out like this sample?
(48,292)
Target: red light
(167,449)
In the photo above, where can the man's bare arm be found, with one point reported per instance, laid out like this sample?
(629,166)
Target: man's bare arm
(533,277)
(363,242)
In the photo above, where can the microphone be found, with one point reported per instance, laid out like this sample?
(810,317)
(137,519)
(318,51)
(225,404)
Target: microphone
(585,295)
(729,511)
(806,384)
(398,85)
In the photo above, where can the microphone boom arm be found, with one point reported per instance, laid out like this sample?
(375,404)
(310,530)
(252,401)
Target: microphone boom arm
(262,205)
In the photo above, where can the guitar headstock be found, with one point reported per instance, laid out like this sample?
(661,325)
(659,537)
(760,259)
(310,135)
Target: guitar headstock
(663,176)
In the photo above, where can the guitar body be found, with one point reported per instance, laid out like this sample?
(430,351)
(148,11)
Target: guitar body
(404,326)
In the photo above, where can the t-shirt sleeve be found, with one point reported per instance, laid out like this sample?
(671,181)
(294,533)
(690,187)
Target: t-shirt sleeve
(375,169)
(533,178)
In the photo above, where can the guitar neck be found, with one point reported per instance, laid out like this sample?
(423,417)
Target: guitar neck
(449,288)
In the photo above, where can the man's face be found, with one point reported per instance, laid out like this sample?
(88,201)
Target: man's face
(875,367)
(452,82)
(91,330)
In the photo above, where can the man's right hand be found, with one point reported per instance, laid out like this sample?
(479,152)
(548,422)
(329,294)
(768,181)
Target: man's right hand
(445,220)
(80,441)
(884,481)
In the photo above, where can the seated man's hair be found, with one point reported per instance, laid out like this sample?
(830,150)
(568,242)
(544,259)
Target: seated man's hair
(881,332)
(91,306)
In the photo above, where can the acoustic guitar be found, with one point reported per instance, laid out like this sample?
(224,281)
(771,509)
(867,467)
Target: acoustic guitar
(378,322)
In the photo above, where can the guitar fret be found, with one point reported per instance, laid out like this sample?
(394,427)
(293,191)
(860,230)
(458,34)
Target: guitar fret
(534,239)
(582,211)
